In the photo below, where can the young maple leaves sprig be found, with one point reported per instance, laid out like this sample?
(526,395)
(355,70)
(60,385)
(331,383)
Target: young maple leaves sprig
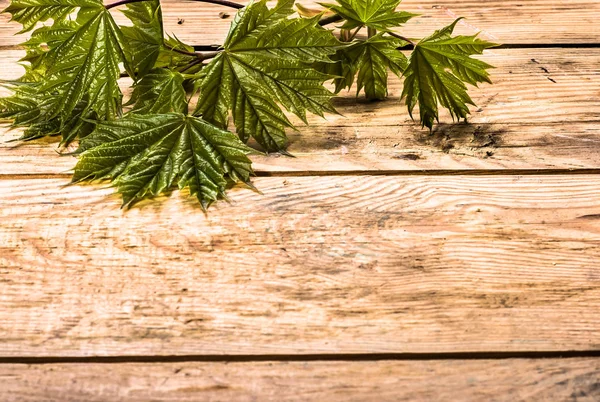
(271,62)
(435,73)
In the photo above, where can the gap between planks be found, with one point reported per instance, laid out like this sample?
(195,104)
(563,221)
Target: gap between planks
(501,21)
(344,173)
(504,46)
(301,357)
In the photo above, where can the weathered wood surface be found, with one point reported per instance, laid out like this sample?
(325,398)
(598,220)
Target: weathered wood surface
(503,21)
(396,263)
(523,121)
(315,265)
(510,380)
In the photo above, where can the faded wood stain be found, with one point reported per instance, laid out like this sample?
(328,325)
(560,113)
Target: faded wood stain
(378,238)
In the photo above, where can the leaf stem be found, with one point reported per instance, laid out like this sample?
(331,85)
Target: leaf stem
(225,3)
(190,65)
(330,20)
(395,35)
(371,32)
(200,55)
(121,2)
(207,55)
(185,52)
(354,34)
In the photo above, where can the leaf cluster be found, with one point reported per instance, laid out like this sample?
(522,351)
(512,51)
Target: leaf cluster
(174,129)
(434,73)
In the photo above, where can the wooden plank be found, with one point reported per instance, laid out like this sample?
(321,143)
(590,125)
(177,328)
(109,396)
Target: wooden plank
(385,148)
(508,21)
(315,265)
(524,121)
(458,380)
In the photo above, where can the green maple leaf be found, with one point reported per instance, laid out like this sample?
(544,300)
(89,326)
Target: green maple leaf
(145,37)
(339,67)
(438,69)
(160,91)
(371,61)
(29,12)
(147,155)
(264,64)
(74,65)
(377,14)
(29,108)
(21,109)
(37,46)
(86,65)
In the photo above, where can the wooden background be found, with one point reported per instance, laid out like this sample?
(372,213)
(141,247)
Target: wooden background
(382,263)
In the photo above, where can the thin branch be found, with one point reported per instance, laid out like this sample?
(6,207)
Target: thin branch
(192,64)
(371,32)
(405,39)
(208,55)
(330,20)
(121,2)
(185,52)
(355,33)
(225,3)
(200,55)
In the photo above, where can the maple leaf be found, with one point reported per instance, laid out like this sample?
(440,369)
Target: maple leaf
(377,14)
(28,108)
(146,155)
(74,64)
(371,60)
(263,65)
(438,69)
(20,109)
(145,37)
(160,91)
(29,12)
(87,65)
(339,67)
(37,46)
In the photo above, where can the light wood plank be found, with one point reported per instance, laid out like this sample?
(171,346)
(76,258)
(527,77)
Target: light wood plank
(509,380)
(384,148)
(315,265)
(523,121)
(510,21)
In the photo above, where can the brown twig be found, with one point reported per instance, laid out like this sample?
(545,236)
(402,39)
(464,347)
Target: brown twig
(395,35)
(121,2)
(330,20)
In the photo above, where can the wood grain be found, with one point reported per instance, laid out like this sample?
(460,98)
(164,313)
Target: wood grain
(523,121)
(508,21)
(335,265)
(509,380)
(315,265)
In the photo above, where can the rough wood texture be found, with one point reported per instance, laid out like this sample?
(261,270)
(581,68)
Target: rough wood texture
(315,265)
(332,265)
(503,21)
(523,121)
(510,380)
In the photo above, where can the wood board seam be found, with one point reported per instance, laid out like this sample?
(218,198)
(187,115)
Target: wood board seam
(339,173)
(584,45)
(567,354)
